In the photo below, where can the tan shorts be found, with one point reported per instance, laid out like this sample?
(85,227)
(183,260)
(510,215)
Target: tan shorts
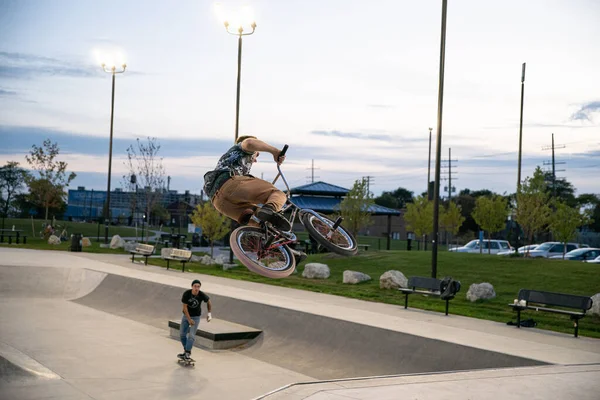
(241,192)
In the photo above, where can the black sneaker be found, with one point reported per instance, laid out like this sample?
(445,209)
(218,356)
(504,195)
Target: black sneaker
(187,356)
(299,256)
(181,356)
(266,213)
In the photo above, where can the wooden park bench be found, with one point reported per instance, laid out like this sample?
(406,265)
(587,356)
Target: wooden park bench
(180,255)
(364,247)
(539,301)
(423,285)
(145,250)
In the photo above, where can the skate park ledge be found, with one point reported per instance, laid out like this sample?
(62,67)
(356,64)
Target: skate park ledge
(218,334)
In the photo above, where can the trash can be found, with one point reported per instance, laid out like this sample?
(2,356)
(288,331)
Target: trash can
(76,241)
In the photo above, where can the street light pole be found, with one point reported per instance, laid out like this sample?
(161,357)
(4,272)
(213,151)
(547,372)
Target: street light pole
(438,145)
(521,126)
(239,33)
(112,70)
(429,166)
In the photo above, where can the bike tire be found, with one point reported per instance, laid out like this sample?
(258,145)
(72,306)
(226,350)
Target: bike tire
(343,242)
(247,238)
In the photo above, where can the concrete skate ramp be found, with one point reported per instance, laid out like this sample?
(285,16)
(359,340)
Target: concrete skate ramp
(321,347)
(47,282)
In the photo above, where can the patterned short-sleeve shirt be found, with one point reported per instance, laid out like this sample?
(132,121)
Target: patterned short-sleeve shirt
(235,161)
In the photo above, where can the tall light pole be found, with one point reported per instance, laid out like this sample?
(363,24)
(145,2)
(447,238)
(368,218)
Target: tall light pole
(429,166)
(239,33)
(521,126)
(438,145)
(237,30)
(113,71)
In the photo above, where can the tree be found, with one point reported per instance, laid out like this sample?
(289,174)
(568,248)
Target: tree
(48,189)
(591,202)
(143,162)
(419,216)
(214,225)
(490,214)
(386,200)
(12,180)
(399,198)
(564,222)
(451,218)
(560,189)
(354,209)
(533,210)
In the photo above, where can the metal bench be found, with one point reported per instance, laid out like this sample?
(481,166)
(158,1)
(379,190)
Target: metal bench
(145,250)
(10,234)
(431,287)
(539,301)
(180,255)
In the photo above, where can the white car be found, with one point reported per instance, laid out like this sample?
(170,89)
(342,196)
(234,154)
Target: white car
(520,250)
(473,247)
(549,249)
(594,261)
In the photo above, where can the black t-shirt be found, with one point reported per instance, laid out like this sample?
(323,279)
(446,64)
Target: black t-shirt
(194,302)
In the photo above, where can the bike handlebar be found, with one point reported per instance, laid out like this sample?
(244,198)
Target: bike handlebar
(283,151)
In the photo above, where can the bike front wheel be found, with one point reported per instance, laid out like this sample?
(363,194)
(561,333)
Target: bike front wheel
(248,245)
(339,241)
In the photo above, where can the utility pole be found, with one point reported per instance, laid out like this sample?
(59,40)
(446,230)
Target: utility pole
(449,166)
(553,163)
(368,179)
(312,172)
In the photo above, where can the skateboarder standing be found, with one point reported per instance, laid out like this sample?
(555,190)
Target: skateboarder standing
(192,300)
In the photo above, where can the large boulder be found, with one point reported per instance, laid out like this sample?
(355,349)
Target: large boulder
(221,259)
(393,280)
(53,239)
(481,291)
(316,271)
(116,242)
(354,277)
(130,246)
(207,260)
(596,305)
(86,242)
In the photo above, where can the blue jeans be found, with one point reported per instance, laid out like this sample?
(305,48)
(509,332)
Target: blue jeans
(187,332)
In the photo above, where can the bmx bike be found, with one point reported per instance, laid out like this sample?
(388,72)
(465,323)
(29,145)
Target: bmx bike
(265,249)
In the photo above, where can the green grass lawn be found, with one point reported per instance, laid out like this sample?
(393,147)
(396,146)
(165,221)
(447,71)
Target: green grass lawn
(508,275)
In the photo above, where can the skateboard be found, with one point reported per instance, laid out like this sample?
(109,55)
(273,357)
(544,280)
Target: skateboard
(186,362)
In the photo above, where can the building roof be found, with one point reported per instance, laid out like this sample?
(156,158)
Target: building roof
(320,188)
(330,205)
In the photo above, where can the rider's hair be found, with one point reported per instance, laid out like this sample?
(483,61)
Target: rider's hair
(242,138)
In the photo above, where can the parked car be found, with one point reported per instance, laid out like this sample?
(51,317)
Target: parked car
(493,246)
(583,254)
(594,261)
(548,249)
(520,250)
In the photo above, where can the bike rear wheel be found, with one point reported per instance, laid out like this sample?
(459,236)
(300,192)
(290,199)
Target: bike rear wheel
(339,241)
(247,243)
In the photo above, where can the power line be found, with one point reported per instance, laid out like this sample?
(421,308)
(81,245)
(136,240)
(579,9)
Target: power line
(448,165)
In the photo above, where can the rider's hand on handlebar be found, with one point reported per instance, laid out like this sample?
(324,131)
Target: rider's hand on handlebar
(278,159)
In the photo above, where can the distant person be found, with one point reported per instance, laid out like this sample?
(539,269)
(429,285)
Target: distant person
(192,301)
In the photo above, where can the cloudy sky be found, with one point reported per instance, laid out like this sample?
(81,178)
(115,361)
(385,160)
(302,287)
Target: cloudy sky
(351,84)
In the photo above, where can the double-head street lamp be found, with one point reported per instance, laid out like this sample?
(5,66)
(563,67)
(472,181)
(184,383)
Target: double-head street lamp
(237,29)
(114,71)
